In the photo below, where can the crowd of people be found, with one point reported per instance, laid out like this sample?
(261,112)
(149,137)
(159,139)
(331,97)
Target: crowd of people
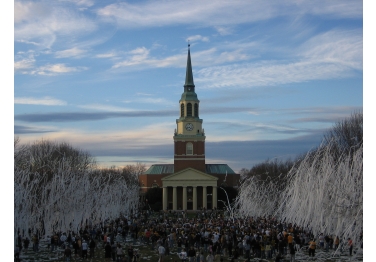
(206,236)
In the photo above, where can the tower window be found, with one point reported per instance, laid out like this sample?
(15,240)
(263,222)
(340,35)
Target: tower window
(189,149)
(182,110)
(189,109)
(196,110)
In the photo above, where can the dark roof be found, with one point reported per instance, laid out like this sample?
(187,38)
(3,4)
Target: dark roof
(169,169)
(219,169)
(160,169)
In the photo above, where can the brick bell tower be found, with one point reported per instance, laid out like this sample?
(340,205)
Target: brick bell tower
(189,137)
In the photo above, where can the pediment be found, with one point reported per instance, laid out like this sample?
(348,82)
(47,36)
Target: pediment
(190,174)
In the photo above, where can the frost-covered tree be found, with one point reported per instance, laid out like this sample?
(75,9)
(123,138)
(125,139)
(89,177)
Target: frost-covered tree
(326,192)
(57,187)
(323,189)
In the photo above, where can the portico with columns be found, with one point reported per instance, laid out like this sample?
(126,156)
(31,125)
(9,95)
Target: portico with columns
(189,189)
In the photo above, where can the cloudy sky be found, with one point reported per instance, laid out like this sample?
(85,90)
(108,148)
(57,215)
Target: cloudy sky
(107,76)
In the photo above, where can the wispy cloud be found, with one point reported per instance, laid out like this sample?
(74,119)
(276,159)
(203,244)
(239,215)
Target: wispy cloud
(146,143)
(45,101)
(27,42)
(107,55)
(89,116)
(42,23)
(336,47)
(139,138)
(24,60)
(20,130)
(334,54)
(27,66)
(136,56)
(212,56)
(24,64)
(320,114)
(55,69)
(86,3)
(111,112)
(194,38)
(221,12)
(101,107)
(222,30)
(245,154)
(72,52)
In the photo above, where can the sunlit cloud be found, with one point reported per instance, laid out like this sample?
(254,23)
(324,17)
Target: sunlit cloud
(107,55)
(90,116)
(45,101)
(27,65)
(156,134)
(109,108)
(24,61)
(55,69)
(194,38)
(145,143)
(24,64)
(72,52)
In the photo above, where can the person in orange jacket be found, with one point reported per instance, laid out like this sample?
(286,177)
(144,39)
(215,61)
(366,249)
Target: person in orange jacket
(312,248)
(350,245)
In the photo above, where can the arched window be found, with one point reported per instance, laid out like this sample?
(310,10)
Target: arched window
(189,109)
(189,149)
(196,110)
(182,110)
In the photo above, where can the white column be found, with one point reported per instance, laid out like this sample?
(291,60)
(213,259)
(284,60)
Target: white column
(174,199)
(204,197)
(194,197)
(214,197)
(184,198)
(164,198)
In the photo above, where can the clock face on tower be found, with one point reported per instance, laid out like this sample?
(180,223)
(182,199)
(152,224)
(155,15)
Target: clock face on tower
(189,127)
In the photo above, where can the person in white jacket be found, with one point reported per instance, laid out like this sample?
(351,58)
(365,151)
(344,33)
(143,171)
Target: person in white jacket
(84,249)
(183,255)
(161,251)
(118,238)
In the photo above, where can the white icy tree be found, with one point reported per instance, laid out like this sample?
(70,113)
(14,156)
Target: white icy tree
(326,193)
(56,190)
(323,191)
